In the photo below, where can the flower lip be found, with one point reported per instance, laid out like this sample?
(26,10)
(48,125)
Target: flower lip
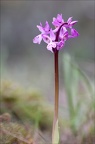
(51,46)
(37,39)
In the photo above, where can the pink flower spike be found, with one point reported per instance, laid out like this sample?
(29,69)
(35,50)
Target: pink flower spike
(56,38)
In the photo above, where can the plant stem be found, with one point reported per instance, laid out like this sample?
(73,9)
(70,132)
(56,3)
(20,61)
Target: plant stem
(56,91)
(56,81)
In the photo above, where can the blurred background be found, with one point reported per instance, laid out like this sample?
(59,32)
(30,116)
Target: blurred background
(31,65)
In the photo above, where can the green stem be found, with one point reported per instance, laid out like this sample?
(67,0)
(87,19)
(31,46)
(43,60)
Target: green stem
(56,91)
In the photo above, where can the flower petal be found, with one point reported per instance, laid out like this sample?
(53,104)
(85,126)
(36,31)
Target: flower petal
(47,27)
(56,29)
(60,45)
(74,33)
(55,22)
(46,38)
(40,28)
(73,22)
(69,20)
(65,36)
(51,45)
(52,35)
(63,33)
(59,18)
(44,29)
(37,39)
(58,21)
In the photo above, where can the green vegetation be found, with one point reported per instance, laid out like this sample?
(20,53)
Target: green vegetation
(30,107)
(80,99)
(25,105)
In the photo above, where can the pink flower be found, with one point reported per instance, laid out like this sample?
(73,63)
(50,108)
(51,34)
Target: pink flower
(60,45)
(63,34)
(37,39)
(50,40)
(70,22)
(43,30)
(74,33)
(58,21)
(56,38)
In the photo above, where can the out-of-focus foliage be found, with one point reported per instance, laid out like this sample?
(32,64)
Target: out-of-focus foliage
(31,106)
(25,105)
(80,97)
(30,64)
(11,133)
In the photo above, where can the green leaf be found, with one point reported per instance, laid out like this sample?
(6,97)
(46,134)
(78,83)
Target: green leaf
(56,134)
(68,79)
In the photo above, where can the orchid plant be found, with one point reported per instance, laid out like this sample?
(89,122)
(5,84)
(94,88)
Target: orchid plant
(55,40)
